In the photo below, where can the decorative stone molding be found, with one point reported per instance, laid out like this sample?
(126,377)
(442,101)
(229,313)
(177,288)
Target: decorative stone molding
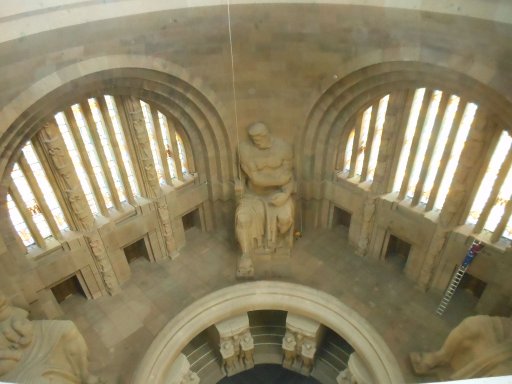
(251,296)
(300,343)
(236,344)
(100,256)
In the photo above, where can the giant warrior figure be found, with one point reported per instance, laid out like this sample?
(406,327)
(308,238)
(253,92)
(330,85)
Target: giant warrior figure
(480,346)
(265,212)
(41,351)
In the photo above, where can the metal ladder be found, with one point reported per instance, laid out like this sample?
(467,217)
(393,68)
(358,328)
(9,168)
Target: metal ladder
(474,250)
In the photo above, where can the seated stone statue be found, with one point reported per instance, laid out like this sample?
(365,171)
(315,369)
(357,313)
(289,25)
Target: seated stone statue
(265,212)
(44,351)
(480,346)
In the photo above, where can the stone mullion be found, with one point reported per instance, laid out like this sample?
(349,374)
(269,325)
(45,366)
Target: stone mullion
(91,126)
(27,217)
(403,105)
(430,148)
(369,141)
(125,121)
(115,147)
(160,142)
(86,162)
(500,228)
(38,194)
(143,147)
(174,147)
(187,148)
(61,166)
(414,145)
(355,145)
(340,158)
(60,194)
(500,178)
(446,154)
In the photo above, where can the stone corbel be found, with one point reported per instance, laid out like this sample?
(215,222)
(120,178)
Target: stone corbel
(300,343)
(236,345)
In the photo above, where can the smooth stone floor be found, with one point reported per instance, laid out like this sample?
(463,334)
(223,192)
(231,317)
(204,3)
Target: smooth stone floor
(119,329)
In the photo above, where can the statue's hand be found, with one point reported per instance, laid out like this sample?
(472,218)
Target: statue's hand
(279,199)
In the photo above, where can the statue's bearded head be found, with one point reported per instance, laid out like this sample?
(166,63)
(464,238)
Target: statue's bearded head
(260,135)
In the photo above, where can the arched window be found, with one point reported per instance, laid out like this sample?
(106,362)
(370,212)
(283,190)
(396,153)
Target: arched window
(362,160)
(432,136)
(102,155)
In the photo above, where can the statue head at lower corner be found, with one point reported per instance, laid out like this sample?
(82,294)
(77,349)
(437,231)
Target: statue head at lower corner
(260,135)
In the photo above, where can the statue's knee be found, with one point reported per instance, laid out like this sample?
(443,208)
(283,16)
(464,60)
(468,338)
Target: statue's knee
(243,219)
(284,222)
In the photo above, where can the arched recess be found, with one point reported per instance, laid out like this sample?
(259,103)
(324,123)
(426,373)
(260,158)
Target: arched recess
(238,299)
(328,119)
(195,114)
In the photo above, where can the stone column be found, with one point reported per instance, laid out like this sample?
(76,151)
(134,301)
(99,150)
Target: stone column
(151,188)
(300,343)
(82,219)
(236,344)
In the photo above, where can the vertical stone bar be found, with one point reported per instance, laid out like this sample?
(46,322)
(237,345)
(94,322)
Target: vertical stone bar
(86,162)
(174,147)
(355,145)
(446,154)
(59,193)
(93,130)
(38,194)
(401,113)
(414,145)
(369,141)
(27,217)
(61,165)
(390,140)
(160,142)
(115,147)
(430,149)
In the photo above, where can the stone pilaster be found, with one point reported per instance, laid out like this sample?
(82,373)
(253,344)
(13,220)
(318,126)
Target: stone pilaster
(54,148)
(151,188)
